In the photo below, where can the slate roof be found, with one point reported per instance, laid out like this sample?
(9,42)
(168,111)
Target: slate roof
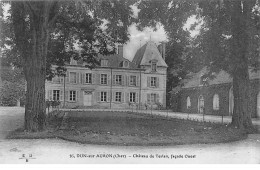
(146,53)
(221,78)
(115,60)
(143,56)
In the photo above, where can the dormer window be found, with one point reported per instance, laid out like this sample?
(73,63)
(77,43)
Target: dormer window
(104,62)
(126,64)
(154,66)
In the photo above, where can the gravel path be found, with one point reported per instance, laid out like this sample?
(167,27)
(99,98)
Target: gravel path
(59,151)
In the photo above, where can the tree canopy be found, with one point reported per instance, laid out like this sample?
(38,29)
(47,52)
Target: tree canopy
(38,34)
(228,40)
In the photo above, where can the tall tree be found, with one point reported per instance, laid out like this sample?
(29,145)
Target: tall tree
(230,41)
(12,86)
(172,15)
(45,30)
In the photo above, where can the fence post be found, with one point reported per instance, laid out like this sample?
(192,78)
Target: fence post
(167,112)
(203,113)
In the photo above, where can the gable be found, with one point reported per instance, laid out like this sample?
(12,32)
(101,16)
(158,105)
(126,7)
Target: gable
(147,53)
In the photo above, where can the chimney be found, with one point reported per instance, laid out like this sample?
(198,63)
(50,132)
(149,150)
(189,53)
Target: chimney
(161,48)
(120,50)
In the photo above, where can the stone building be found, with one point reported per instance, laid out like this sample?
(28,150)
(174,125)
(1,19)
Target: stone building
(216,96)
(116,83)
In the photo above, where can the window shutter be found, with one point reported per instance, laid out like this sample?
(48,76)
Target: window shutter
(157,82)
(108,79)
(67,77)
(61,95)
(137,81)
(127,97)
(148,81)
(108,96)
(157,98)
(92,78)
(67,95)
(137,97)
(98,96)
(148,98)
(123,80)
(77,96)
(128,80)
(50,94)
(122,97)
(98,77)
(82,78)
(114,96)
(114,79)
(78,78)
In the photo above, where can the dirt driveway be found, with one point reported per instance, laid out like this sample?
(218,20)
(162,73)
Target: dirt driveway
(59,151)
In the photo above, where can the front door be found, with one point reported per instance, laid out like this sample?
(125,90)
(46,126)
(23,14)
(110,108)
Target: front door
(231,101)
(258,105)
(201,104)
(87,98)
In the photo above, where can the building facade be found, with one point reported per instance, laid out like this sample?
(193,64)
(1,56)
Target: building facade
(216,96)
(116,83)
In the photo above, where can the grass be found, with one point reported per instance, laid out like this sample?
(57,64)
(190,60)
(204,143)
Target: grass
(121,128)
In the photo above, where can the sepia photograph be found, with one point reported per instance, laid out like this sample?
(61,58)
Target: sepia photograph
(130,82)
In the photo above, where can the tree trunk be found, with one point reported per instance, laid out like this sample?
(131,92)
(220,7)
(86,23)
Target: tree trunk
(241,85)
(35,110)
(32,45)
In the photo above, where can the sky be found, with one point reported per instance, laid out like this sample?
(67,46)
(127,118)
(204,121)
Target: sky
(139,38)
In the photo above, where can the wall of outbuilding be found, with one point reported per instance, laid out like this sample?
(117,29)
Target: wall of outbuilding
(208,92)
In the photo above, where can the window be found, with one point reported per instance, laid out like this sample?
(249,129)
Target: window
(153,66)
(126,64)
(56,95)
(103,78)
(216,102)
(132,80)
(88,78)
(188,102)
(72,96)
(104,62)
(103,96)
(132,97)
(119,79)
(118,96)
(153,98)
(73,77)
(153,81)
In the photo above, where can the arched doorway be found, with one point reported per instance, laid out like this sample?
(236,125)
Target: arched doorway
(258,105)
(231,101)
(200,104)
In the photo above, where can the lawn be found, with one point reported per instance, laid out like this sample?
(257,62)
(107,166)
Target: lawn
(122,128)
